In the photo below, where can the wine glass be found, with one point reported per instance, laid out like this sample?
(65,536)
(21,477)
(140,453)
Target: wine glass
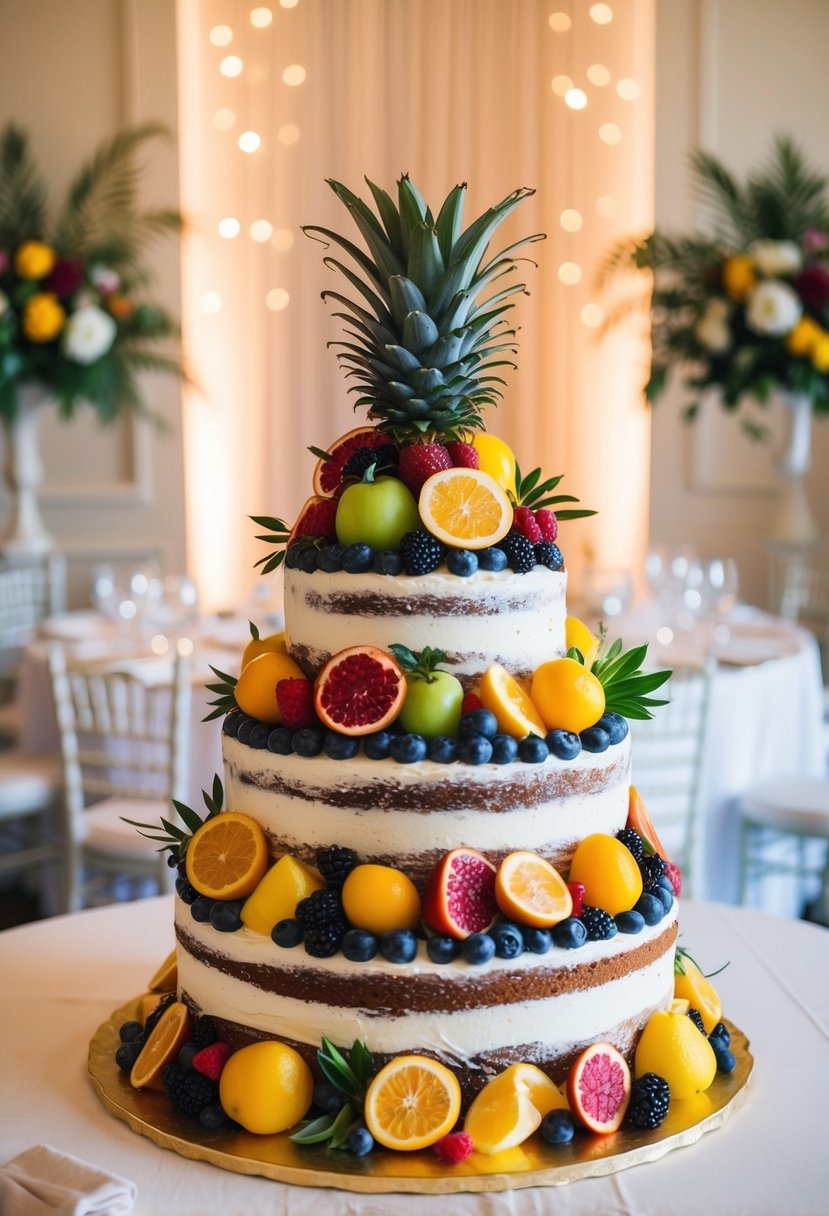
(125,593)
(719,589)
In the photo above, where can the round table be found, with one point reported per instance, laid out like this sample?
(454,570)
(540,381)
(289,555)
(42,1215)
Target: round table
(63,977)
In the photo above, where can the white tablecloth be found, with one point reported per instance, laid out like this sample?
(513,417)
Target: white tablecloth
(62,978)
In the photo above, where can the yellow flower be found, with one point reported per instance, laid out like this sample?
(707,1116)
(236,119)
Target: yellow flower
(738,276)
(34,260)
(820,354)
(804,336)
(43,317)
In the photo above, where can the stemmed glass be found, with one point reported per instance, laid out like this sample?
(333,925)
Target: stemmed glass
(709,598)
(125,593)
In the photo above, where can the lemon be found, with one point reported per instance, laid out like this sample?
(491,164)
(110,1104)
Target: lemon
(700,993)
(273,642)
(256,686)
(510,1107)
(609,871)
(567,695)
(577,634)
(673,1048)
(380,899)
(278,893)
(496,458)
(504,697)
(267,1087)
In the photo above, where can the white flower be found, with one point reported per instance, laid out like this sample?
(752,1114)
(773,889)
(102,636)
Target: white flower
(776,257)
(711,330)
(717,309)
(4,302)
(773,308)
(106,280)
(89,333)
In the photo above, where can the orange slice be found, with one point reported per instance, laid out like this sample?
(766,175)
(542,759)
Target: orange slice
(170,1033)
(227,856)
(166,978)
(531,891)
(503,696)
(465,508)
(412,1102)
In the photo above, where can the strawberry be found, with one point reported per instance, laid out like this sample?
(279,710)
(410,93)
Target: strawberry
(675,875)
(523,521)
(454,1148)
(463,455)
(547,522)
(211,1060)
(418,461)
(576,889)
(295,698)
(315,521)
(470,703)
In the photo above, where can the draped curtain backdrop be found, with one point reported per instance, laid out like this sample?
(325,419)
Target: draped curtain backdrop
(557,95)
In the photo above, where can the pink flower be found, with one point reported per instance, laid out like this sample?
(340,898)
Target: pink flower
(66,277)
(815,240)
(812,285)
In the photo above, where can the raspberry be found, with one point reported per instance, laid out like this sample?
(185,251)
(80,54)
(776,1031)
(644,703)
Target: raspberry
(422,553)
(463,455)
(632,842)
(599,924)
(675,875)
(650,1097)
(547,522)
(549,555)
(295,698)
(335,865)
(520,552)
(523,521)
(211,1060)
(576,889)
(454,1148)
(418,461)
(189,1091)
(470,703)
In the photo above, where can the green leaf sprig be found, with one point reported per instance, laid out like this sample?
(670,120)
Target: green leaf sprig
(225,690)
(531,492)
(626,686)
(169,835)
(277,534)
(350,1073)
(679,964)
(419,666)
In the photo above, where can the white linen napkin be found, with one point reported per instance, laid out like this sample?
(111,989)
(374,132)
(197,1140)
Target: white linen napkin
(43,1181)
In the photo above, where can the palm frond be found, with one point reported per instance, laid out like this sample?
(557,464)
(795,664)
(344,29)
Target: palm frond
(718,190)
(23,193)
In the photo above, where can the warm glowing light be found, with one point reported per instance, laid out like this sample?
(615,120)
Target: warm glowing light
(229,227)
(570,220)
(159,644)
(569,273)
(211,303)
(628,90)
(576,99)
(609,133)
(289,3)
(294,74)
(277,299)
(261,230)
(261,18)
(607,207)
(560,22)
(185,646)
(250,141)
(231,65)
(288,134)
(282,239)
(221,35)
(664,635)
(598,74)
(592,315)
(602,14)
(224,119)
(560,84)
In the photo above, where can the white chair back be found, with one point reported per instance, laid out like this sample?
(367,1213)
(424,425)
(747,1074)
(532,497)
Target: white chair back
(29,592)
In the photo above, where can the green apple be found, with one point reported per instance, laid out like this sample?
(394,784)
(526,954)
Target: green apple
(433,705)
(376,513)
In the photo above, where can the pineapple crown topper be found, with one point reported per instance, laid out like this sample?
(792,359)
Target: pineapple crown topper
(169,835)
(424,352)
(626,686)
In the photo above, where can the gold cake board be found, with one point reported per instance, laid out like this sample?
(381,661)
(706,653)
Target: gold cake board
(534,1163)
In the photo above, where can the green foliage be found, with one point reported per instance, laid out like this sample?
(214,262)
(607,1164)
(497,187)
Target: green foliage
(531,492)
(349,1072)
(173,838)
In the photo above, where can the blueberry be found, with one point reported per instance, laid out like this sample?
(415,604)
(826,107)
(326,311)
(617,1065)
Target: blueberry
(331,558)
(570,934)
(212,1116)
(442,949)
(442,750)
(720,1032)
(307,742)
(558,1127)
(359,945)
(308,560)
(388,562)
(565,744)
(129,1031)
(665,895)
(360,1141)
(200,909)
(537,941)
(328,1098)
(279,741)
(376,746)
(172,860)
(287,933)
(126,1055)
(665,883)
(186,892)
(226,915)
(615,725)
(259,736)
(462,562)
(594,739)
(398,946)
(630,922)
(246,729)
(357,559)
(649,908)
(231,722)
(478,722)
(408,749)
(509,941)
(504,749)
(726,1060)
(185,1056)
(475,749)
(492,559)
(340,747)
(478,948)
(533,750)
(292,555)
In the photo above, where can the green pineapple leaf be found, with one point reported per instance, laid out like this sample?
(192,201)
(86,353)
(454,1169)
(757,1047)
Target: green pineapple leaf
(626,686)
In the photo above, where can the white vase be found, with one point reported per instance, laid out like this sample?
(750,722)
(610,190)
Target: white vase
(794,524)
(26,535)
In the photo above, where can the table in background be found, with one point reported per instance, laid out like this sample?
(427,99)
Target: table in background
(62,979)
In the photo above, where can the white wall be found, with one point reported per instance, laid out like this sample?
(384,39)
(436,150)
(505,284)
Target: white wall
(71,73)
(729,75)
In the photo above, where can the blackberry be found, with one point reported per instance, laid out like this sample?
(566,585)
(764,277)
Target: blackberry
(549,555)
(632,842)
(319,910)
(335,865)
(520,552)
(422,553)
(189,1091)
(385,458)
(154,1018)
(650,1097)
(652,868)
(204,1032)
(600,925)
(696,1018)
(324,942)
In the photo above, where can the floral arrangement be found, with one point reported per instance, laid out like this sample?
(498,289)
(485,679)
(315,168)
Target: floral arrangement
(745,309)
(72,317)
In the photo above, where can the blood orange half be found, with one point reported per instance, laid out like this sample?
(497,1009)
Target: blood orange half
(598,1087)
(359,690)
(329,468)
(460,894)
